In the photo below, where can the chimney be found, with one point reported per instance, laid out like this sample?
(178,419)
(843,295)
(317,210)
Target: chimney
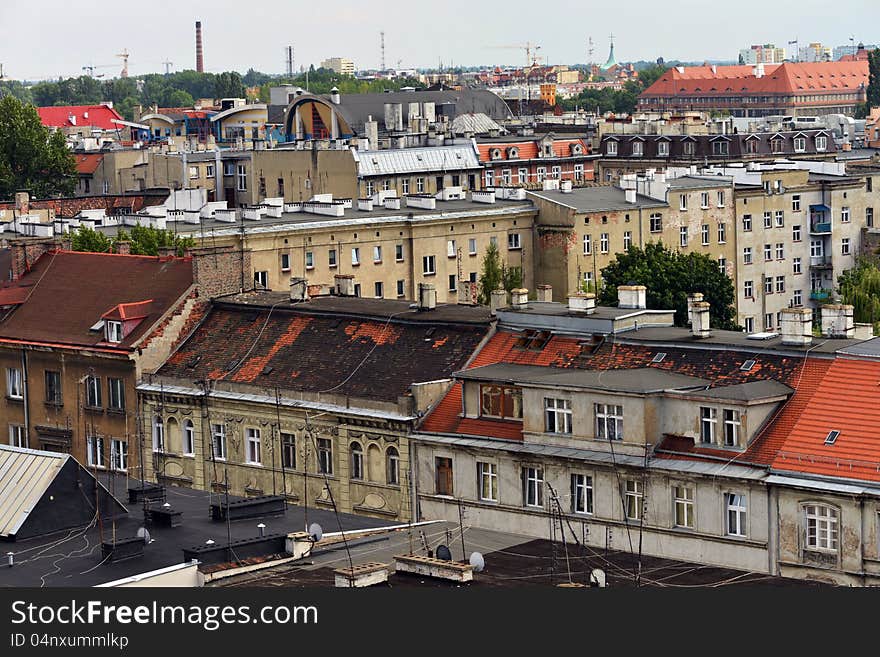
(519,298)
(631,296)
(565,186)
(497,299)
(692,298)
(344,284)
(200,62)
(797,326)
(123,247)
(219,270)
(427,296)
(545,292)
(837,321)
(700,319)
(299,289)
(467,293)
(166,251)
(22,203)
(630,195)
(25,252)
(758,70)
(334,96)
(582,302)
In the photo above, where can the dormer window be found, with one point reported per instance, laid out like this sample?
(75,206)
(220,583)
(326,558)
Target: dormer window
(500,402)
(113,331)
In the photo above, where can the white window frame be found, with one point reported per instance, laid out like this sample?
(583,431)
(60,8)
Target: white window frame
(158,434)
(633,497)
(514,242)
(285,262)
(253,446)
(658,226)
(17,436)
(188,444)
(603,243)
(533,490)
(472,246)
(682,202)
(357,460)
(325,456)
(704,235)
(821,143)
(821,527)
(683,236)
(118,455)
(115,394)
(708,425)
(736,514)
(732,425)
(14,385)
(845,246)
(392,467)
(429,265)
(627,240)
(704,200)
(113,330)
(588,245)
(662,148)
(609,421)
(844,214)
(355,256)
(450,248)
(377,254)
(683,506)
(218,442)
(582,493)
(241,178)
(95,451)
(557,415)
(487,481)
(611,147)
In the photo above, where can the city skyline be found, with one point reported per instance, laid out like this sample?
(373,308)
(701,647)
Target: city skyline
(481,37)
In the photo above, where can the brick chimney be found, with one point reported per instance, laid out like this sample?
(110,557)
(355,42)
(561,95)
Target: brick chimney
(123,247)
(26,251)
(220,270)
(200,59)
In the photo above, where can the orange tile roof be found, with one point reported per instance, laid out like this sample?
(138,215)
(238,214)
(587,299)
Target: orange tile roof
(88,163)
(846,401)
(528,149)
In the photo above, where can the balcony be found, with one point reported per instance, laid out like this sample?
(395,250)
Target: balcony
(820,228)
(820,262)
(820,220)
(822,295)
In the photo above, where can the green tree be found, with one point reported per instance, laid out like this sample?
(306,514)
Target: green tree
(873,91)
(669,277)
(31,157)
(147,240)
(495,275)
(228,85)
(860,287)
(86,239)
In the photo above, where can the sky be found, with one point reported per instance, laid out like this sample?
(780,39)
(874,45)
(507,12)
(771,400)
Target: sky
(48,38)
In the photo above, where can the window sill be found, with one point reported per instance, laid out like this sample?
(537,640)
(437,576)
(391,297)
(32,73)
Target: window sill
(398,260)
(514,248)
(18,400)
(52,404)
(332,266)
(429,273)
(116,411)
(377,262)
(93,409)
(284,270)
(311,267)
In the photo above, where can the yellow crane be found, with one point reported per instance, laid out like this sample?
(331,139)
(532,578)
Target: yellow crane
(124,56)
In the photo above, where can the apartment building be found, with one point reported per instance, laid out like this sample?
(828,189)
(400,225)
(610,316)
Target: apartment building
(339,65)
(529,161)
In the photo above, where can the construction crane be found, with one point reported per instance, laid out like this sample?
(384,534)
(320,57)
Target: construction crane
(531,51)
(124,56)
(91,69)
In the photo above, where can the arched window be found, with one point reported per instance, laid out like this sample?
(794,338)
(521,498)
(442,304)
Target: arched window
(158,434)
(357,461)
(393,475)
(189,438)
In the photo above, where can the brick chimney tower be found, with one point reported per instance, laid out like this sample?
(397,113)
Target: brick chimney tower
(200,63)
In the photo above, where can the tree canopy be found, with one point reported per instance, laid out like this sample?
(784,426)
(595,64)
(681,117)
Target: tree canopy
(31,157)
(669,277)
(860,288)
(145,240)
(620,101)
(495,275)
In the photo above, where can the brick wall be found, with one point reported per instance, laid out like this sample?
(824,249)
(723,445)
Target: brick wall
(70,207)
(220,270)
(26,251)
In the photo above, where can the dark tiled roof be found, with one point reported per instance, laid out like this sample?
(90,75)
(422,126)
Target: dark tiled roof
(69,292)
(370,358)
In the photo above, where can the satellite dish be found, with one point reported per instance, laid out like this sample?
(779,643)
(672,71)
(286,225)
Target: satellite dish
(144,534)
(477,561)
(444,553)
(597,578)
(315,532)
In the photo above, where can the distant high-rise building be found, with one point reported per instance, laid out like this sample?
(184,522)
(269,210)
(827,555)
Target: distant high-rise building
(814,52)
(762,54)
(339,65)
(853,52)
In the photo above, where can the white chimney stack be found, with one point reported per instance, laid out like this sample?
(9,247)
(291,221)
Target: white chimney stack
(467,293)
(299,289)
(837,321)
(630,195)
(797,326)
(545,292)
(700,319)
(519,298)
(583,302)
(344,284)
(427,296)
(497,299)
(692,299)
(631,296)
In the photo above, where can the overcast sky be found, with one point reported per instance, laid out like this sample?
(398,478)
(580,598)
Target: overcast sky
(47,38)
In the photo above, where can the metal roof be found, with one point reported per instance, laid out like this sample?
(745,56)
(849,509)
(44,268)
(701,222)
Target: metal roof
(416,160)
(478,123)
(25,475)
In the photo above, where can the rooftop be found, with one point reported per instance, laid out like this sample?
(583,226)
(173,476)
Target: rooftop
(597,199)
(69,116)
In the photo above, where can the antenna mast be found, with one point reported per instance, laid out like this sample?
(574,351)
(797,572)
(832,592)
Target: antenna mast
(382,47)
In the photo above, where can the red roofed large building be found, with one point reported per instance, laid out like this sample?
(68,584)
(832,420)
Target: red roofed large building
(806,88)
(80,119)
(529,161)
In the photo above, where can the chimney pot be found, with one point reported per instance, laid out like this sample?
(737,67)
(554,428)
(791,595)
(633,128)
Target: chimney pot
(691,299)
(519,298)
(545,292)
(700,319)
(582,302)
(467,293)
(797,326)
(497,299)
(631,296)
(427,296)
(837,321)
(299,289)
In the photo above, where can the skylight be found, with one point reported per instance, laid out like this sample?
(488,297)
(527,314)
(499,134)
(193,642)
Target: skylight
(831,437)
(747,366)
(658,357)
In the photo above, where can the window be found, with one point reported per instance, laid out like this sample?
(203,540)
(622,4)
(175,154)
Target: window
(749,324)
(682,202)
(378,291)
(398,252)
(472,246)
(708,420)
(513,241)
(821,527)
(540,174)
(720,148)
(218,441)
(392,474)
(768,252)
(798,298)
(93,391)
(428,265)
(523,175)
(869,217)
(747,255)
(116,394)
(656,222)
(443,475)
(768,285)
(747,223)
(752,146)
(704,200)
(493,240)
(777,145)
(450,248)
(609,421)
(554,172)
(285,262)
(722,233)
(533,487)
(420,185)
(386,185)
(588,245)
(578,172)
(357,461)
(193,172)
(662,148)
(844,246)
(768,321)
(581,493)
(796,233)
(816,249)
(209,171)
(748,289)
(400,288)
(357,289)
(288,451)
(731,427)
(768,220)
(95,451)
(405,185)
(17,436)
(632,499)
(603,242)
(310,259)
(821,143)
(683,497)
(113,331)
(736,514)
(611,147)
(627,239)
(557,415)
(490,178)
(800,144)
(689,148)
(487,478)
(844,215)
(780,251)
(53,388)
(638,148)
(261,280)
(796,203)
(118,455)
(780,284)
(355,256)
(500,402)
(252,446)
(228,168)
(780,218)
(189,438)
(719,198)
(369,188)
(704,234)
(280,182)
(242,178)
(14,388)
(683,236)
(325,456)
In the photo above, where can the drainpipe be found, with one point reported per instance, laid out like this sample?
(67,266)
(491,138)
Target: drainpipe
(26,396)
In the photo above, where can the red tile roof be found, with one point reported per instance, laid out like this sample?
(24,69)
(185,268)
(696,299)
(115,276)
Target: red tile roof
(68,116)
(127,311)
(529,148)
(88,163)
(846,400)
(786,78)
(68,292)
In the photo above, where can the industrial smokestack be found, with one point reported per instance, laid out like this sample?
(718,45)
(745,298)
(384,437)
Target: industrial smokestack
(200,63)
